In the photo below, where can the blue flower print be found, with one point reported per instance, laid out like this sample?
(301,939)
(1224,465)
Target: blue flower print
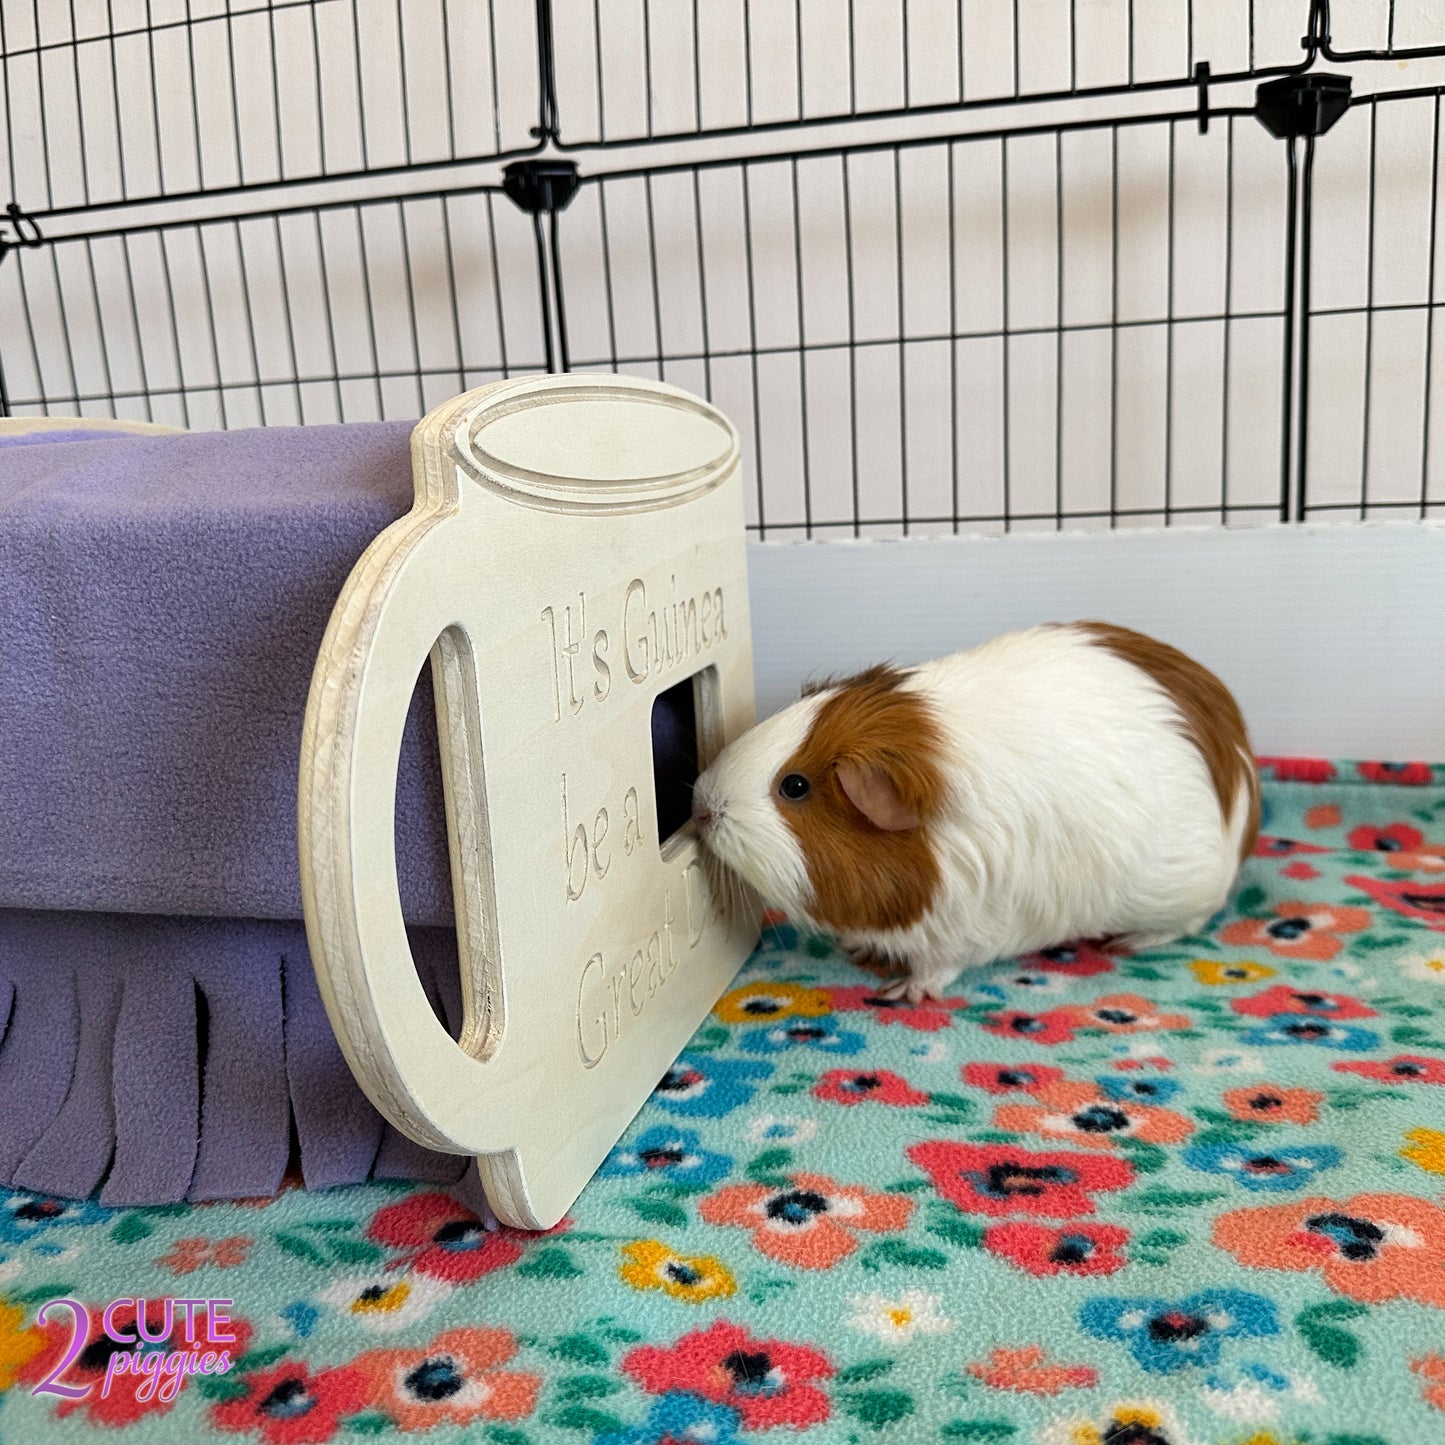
(1146,1090)
(679,1419)
(674,1154)
(1258,1167)
(708,1088)
(25,1215)
(803,1033)
(1165,1337)
(1304,1029)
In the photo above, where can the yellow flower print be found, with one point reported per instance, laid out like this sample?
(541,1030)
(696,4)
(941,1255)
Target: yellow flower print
(1427,1149)
(17,1347)
(760,1003)
(1214,970)
(691,1278)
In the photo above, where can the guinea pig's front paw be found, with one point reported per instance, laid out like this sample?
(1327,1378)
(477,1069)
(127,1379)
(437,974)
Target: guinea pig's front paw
(915,990)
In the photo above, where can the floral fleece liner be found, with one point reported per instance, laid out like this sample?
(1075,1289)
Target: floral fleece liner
(1193,1195)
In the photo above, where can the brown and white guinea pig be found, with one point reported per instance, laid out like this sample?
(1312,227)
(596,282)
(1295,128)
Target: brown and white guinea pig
(1070,781)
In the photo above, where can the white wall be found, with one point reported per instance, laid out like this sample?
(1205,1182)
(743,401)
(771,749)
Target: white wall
(1330,636)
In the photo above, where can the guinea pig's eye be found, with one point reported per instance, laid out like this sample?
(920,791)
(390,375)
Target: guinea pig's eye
(795,787)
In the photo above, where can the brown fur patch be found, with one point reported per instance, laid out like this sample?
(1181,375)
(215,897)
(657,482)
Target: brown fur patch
(865,878)
(1212,720)
(881,674)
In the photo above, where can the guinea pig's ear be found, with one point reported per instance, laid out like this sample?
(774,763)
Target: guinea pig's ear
(875,794)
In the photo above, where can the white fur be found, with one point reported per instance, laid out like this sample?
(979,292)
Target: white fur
(1077,809)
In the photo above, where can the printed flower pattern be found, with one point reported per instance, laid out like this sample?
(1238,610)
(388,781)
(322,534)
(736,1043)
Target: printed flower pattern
(1001,1179)
(1402,1069)
(1073,960)
(821,1033)
(1027,1371)
(1288,1167)
(1068,1249)
(1165,1337)
(1053,1026)
(1011,1078)
(1295,1028)
(452,1381)
(1192,1195)
(767,1002)
(443,1239)
(868,1086)
(767,1382)
(1371,1247)
(291,1405)
(1298,930)
(1128,1013)
(1281,999)
(707,1088)
(1091,1118)
(1217,972)
(650,1264)
(1272,1104)
(927,1017)
(676,1155)
(809,1223)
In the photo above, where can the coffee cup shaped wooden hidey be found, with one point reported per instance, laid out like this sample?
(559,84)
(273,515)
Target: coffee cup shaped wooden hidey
(576,548)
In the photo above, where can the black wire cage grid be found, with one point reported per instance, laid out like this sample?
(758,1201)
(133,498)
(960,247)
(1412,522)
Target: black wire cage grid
(950,265)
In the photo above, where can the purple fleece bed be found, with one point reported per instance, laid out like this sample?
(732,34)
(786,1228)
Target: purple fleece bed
(162,599)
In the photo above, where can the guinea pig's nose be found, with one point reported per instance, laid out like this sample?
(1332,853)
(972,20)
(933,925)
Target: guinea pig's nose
(704,811)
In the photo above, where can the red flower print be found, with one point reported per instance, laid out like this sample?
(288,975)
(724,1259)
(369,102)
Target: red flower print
(1082,1114)
(766,1381)
(1281,999)
(453,1381)
(1054,1027)
(1299,770)
(1127,1013)
(1414,900)
(1001,1179)
(1072,1249)
(1432,1367)
(1402,1069)
(445,1239)
(1394,838)
(1412,775)
(1027,1370)
(1371,1247)
(1011,1078)
(291,1406)
(1075,960)
(120,1406)
(1300,930)
(927,1017)
(1323,815)
(808,1223)
(861,1086)
(1271,1103)
(190,1254)
(1299,872)
(1267,847)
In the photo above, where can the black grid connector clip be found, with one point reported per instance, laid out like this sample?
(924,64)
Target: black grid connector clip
(538,186)
(18,229)
(1301,105)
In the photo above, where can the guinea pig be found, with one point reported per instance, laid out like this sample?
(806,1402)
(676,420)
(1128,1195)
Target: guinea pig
(1070,781)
